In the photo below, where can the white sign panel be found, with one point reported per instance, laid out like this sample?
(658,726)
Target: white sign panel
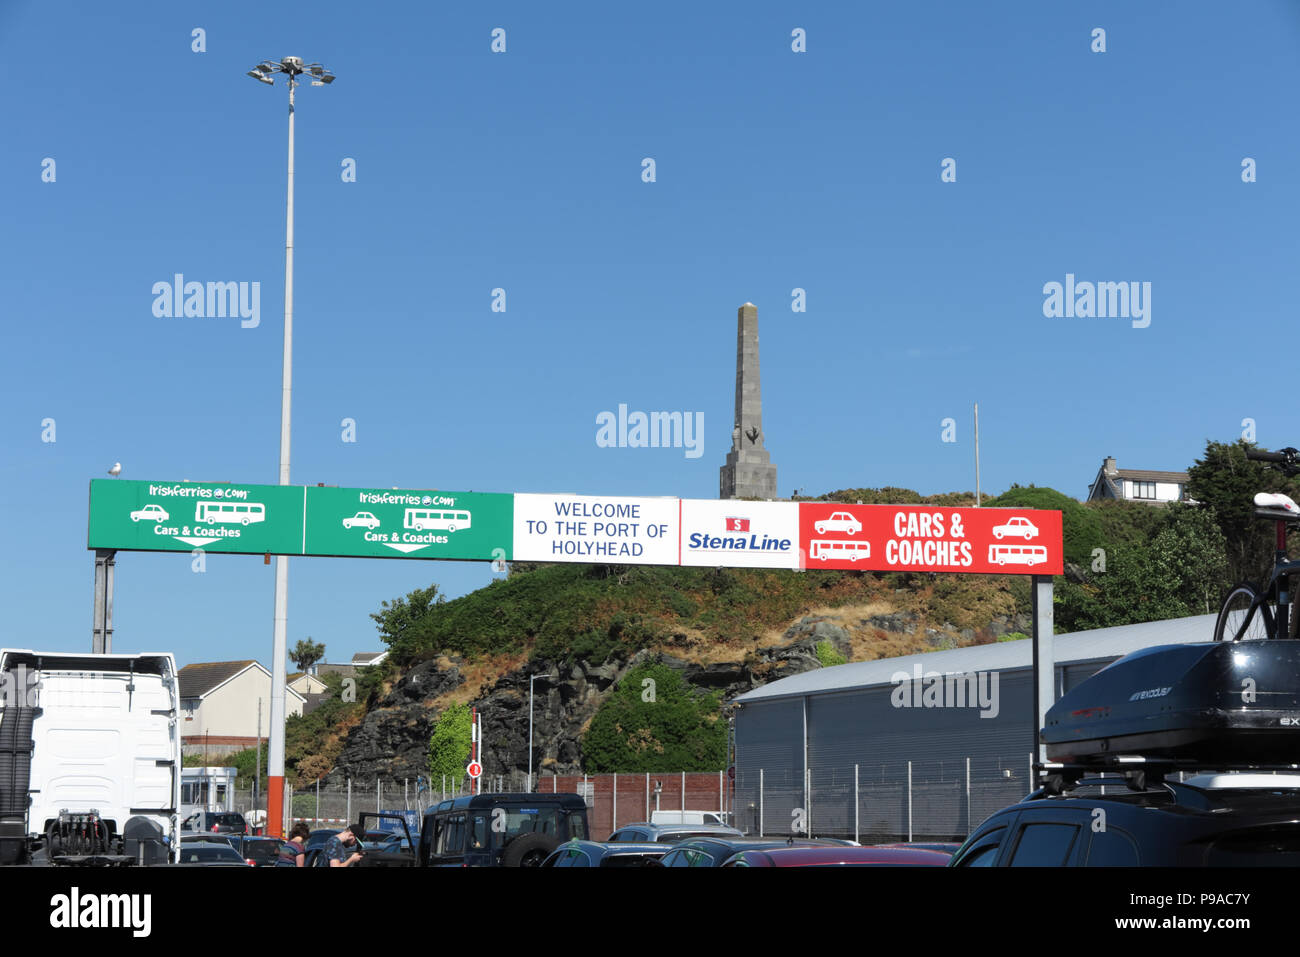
(596,528)
(738,534)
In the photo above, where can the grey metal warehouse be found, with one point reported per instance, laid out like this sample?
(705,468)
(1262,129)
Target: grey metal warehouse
(857,751)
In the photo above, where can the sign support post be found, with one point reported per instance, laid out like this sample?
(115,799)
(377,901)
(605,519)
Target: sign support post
(1044,658)
(101,634)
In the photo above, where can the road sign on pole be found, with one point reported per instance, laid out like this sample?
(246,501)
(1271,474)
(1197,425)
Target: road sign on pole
(474,769)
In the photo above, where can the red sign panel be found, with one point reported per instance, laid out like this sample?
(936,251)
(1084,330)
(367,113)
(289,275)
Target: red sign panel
(925,538)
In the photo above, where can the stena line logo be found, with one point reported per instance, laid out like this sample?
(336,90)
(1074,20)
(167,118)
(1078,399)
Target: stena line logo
(179,299)
(737,538)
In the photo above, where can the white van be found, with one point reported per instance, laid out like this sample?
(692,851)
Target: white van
(686,817)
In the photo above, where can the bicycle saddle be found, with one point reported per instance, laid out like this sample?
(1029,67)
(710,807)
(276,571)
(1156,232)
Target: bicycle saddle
(1277,502)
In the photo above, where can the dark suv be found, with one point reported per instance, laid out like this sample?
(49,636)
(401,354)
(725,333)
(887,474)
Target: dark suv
(215,822)
(500,830)
(1212,820)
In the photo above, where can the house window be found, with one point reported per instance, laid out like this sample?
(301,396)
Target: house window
(1144,489)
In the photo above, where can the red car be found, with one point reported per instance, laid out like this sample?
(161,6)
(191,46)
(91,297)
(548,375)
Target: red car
(830,856)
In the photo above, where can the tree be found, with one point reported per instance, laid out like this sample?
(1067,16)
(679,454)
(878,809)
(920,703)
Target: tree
(449,746)
(306,653)
(403,622)
(1226,481)
(1182,572)
(653,721)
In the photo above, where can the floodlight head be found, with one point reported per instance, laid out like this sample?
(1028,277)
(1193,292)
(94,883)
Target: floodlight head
(261,77)
(266,66)
(327,78)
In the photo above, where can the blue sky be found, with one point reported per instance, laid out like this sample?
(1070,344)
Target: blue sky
(522,170)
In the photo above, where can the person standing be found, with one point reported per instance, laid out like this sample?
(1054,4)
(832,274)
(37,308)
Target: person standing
(293,853)
(337,847)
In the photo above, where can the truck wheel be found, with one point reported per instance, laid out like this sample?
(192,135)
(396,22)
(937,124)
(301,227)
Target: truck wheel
(529,850)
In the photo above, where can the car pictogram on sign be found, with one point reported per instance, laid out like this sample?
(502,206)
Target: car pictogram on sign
(838,522)
(365,519)
(1017,527)
(150,513)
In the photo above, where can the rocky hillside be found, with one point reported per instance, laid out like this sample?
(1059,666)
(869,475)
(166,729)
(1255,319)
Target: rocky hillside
(392,739)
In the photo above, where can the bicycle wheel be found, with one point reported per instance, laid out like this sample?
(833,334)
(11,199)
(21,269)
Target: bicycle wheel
(1245,615)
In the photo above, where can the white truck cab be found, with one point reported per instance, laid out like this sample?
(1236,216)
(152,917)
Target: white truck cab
(90,757)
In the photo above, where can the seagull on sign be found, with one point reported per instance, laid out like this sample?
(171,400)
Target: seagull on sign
(116,470)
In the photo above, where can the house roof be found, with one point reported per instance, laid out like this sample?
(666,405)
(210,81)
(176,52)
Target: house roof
(1146,475)
(366,657)
(199,679)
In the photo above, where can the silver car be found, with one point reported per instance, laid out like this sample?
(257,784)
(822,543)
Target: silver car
(646,833)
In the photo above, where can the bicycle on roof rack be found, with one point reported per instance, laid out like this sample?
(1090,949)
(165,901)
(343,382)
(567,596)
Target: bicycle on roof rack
(1250,612)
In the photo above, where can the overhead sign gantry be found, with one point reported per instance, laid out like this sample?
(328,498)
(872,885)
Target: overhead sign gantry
(477,526)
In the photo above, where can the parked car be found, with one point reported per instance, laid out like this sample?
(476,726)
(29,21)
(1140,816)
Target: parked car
(260,851)
(593,854)
(713,852)
(385,848)
(210,854)
(946,847)
(1211,820)
(215,822)
(643,832)
(500,830)
(841,856)
(229,840)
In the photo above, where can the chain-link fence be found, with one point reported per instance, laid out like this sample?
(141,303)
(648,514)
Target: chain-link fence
(908,801)
(913,800)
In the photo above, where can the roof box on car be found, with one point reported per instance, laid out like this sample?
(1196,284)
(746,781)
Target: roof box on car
(1219,704)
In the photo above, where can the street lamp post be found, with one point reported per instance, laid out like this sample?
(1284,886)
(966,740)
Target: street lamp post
(264,72)
(531,679)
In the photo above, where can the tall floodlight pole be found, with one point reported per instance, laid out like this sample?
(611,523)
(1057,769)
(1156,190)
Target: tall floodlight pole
(977,453)
(292,67)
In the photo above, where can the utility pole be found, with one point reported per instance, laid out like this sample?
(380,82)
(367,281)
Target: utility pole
(257,776)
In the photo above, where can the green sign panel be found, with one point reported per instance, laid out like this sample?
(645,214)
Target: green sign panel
(298,520)
(392,523)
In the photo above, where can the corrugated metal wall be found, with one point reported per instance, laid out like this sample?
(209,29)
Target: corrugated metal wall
(769,751)
(866,729)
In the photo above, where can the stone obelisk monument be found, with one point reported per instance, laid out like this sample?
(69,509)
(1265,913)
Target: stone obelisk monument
(749,472)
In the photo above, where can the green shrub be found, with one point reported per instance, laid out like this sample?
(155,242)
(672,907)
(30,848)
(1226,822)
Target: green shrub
(653,721)
(828,656)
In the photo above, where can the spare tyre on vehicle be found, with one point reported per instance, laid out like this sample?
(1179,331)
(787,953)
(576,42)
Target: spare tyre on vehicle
(529,850)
